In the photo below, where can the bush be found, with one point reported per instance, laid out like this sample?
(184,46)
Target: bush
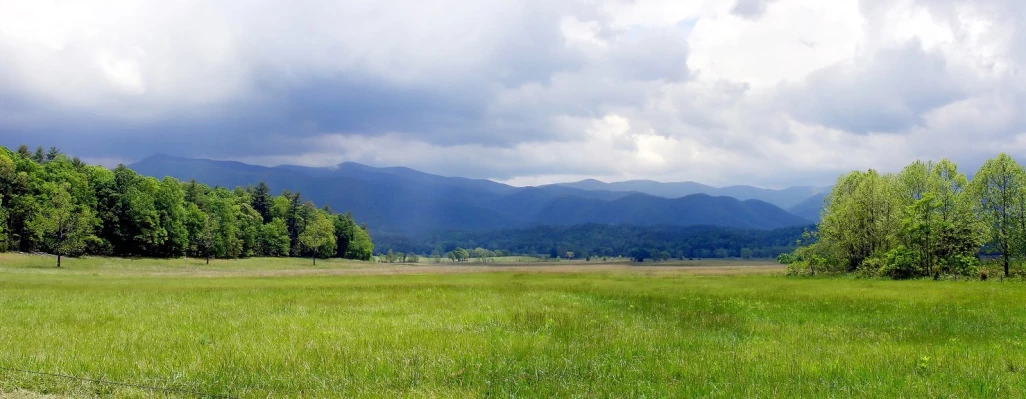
(98,246)
(961,265)
(871,267)
(798,269)
(786,258)
(902,263)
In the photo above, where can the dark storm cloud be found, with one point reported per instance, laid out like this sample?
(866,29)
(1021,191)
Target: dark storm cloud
(273,86)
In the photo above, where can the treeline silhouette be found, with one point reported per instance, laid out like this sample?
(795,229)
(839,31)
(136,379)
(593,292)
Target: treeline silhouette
(603,240)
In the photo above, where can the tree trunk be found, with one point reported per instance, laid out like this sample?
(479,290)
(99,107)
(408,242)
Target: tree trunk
(1005,256)
(58,261)
(208,259)
(315,260)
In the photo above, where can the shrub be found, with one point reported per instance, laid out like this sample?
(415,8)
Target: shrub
(786,258)
(872,266)
(902,263)
(798,269)
(961,265)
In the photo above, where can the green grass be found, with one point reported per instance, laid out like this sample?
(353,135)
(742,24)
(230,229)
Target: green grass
(251,329)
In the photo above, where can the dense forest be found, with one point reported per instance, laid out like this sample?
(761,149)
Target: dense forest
(639,242)
(56,204)
(927,220)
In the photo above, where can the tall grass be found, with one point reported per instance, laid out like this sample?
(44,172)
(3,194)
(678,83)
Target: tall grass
(505,334)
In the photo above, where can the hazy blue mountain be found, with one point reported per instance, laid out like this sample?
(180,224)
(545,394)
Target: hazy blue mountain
(784,198)
(406,201)
(810,208)
(647,210)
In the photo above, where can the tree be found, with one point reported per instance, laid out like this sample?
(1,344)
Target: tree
(52,154)
(360,246)
(294,219)
(961,232)
(62,225)
(318,237)
(274,238)
(23,152)
(169,202)
(222,207)
(460,255)
(746,253)
(861,217)
(997,189)
(262,201)
(207,237)
(39,156)
(569,256)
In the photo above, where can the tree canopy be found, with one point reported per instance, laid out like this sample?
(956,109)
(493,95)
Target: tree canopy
(927,220)
(52,203)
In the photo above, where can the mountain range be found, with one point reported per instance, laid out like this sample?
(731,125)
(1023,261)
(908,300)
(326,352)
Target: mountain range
(784,198)
(403,201)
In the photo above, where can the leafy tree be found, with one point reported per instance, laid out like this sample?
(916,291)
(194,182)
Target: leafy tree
(746,253)
(62,225)
(461,255)
(318,238)
(274,238)
(961,231)
(207,236)
(861,217)
(169,202)
(661,256)
(360,246)
(997,189)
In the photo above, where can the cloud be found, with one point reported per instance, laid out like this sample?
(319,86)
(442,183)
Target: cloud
(765,92)
(749,8)
(886,92)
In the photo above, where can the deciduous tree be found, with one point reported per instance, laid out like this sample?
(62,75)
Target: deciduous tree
(61,224)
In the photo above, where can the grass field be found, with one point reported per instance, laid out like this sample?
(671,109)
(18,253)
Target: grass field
(280,327)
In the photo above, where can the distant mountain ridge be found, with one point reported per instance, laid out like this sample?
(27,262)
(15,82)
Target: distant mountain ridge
(784,198)
(405,201)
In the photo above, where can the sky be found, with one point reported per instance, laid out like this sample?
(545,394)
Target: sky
(771,93)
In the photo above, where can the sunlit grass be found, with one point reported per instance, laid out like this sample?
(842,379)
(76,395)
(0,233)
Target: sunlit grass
(506,334)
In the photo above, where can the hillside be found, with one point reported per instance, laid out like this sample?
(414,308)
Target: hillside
(810,208)
(406,201)
(783,198)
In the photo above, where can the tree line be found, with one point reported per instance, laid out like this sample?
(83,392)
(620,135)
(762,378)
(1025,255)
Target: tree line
(927,220)
(60,205)
(600,240)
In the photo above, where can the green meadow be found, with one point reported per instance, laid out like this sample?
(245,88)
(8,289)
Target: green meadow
(284,328)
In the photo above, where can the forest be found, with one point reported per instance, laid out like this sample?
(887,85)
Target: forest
(60,205)
(603,240)
(929,219)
